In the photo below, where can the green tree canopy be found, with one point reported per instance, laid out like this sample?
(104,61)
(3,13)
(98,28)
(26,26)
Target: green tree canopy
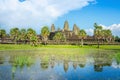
(23,34)
(2,34)
(58,36)
(31,35)
(98,32)
(15,34)
(82,35)
(45,33)
(107,34)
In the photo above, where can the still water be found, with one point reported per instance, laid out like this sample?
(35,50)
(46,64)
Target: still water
(37,65)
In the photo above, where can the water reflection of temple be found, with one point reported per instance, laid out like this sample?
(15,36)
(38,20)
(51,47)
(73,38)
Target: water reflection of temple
(52,63)
(75,65)
(82,62)
(44,65)
(66,65)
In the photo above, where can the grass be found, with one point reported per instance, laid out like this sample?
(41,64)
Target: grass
(15,47)
(113,47)
(28,47)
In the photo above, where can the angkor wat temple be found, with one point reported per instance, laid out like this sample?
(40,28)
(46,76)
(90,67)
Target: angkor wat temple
(69,35)
(72,35)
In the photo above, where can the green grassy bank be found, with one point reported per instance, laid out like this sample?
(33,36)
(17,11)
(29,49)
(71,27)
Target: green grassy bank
(28,47)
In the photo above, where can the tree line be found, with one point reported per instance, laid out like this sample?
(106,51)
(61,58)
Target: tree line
(30,34)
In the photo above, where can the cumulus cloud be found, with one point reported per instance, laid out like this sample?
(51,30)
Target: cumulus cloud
(34,13)
(115,28)
(89,31)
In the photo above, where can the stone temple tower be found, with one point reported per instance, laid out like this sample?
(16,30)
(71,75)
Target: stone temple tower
(75,29)
(66,26)
(52,28)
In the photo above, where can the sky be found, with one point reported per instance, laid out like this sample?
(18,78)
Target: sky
(38,13)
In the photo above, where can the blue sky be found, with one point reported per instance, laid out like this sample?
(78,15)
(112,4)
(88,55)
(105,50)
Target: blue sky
(103,12)
(37,13)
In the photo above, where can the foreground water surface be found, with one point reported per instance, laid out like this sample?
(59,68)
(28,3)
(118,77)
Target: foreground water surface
(60,64)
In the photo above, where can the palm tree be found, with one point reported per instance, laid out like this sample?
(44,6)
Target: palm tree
(2,34)
(58,36)
(45,33)
(98,32)
(23,35)
(82,35)
(107,35)
(31,35)
(15,34)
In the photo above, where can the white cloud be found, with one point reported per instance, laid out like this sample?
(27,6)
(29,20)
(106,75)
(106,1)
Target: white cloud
(115,28)
(89,31)
(36,12)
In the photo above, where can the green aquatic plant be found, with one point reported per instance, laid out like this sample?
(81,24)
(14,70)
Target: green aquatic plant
(23,60)
(117,58)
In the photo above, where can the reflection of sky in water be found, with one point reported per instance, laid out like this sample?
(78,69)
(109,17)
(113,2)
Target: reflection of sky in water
(81,69)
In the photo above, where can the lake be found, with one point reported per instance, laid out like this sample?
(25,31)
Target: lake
(60,64)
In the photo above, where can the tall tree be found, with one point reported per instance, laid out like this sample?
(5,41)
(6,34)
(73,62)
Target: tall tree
(15,34)
(31,35)
(2,34)
(98,32)
(45,33)
(82,35)
(66,26)
(52,28)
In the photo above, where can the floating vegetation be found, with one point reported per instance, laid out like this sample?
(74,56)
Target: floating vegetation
(23,60)
(117,57)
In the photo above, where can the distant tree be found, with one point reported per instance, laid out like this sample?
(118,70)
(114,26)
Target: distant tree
(32,37)
(15,34)
(34,40)
(66,26)
(98,33)
(82,35)
(52,28)
(45,33)
(58,37)
(117,39)
(2,34)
